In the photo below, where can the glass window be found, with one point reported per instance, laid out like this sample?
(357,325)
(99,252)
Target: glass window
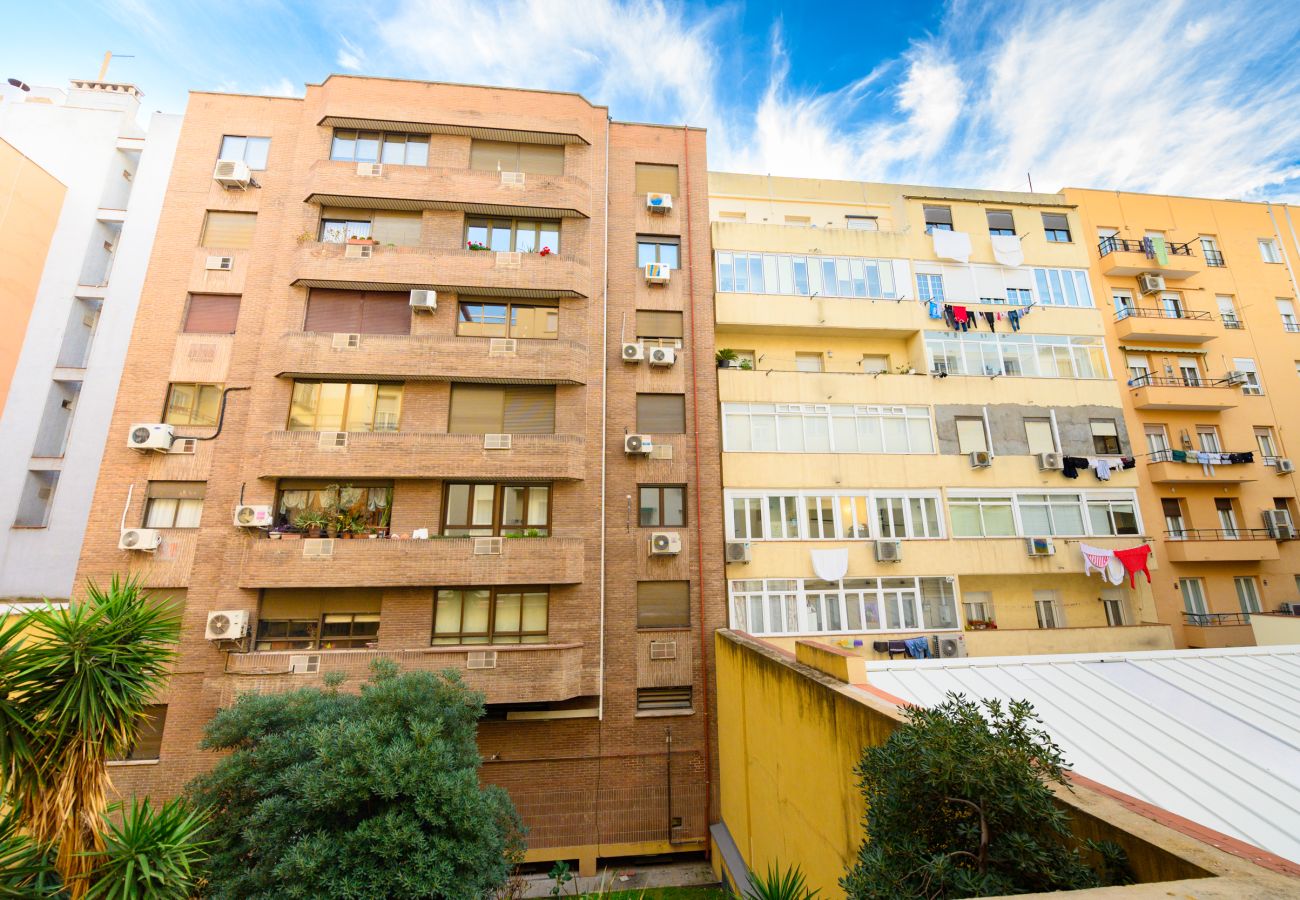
(390,148)
(1247,593)
(349,631)
(662,506)
(826,428)
(1000,222)
(1047,605)
(173,512)
(970,434)
(344,406)
(1269,251)
(504,615)
(1105,436)
(506,318)
(982,517)
(147,742)
(937,218)
(1247,367)
(192,404)
(287,634)
(652,249)
(251,150)
(362,506)
(338,231)
(1022,355)
(1227,311)
(1065,287)
(518,235)
(1056,228)
(482,510)
(1193,591)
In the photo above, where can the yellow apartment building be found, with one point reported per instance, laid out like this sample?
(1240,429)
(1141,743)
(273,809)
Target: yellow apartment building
(892,471)
(1204,338)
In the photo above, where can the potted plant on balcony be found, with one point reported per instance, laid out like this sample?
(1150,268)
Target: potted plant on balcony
(311,521)
(726,358)
(545,251)
(356,239)
(475,245)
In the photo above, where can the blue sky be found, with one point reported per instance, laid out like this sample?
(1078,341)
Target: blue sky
(1175,96)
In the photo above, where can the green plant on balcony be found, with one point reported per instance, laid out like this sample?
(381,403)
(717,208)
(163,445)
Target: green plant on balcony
(527,533)
(726,357)
(475,245)
(311,521)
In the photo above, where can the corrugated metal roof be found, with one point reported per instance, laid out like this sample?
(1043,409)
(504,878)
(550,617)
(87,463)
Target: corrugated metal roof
(1211,735)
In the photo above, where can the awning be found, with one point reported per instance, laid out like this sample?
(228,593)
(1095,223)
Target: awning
(1178,351)
(476,131)
(464,290)
(479,209)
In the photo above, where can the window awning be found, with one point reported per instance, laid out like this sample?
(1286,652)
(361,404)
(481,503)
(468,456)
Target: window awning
(481,209)
(474,131)
(1178,351)
(460,289)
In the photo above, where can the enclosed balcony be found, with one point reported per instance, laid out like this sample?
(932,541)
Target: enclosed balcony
(1192,545)
(1183,394)
(1163,468)
(1141,323)
(1128,258)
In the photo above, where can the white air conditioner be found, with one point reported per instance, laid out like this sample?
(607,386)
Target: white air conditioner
(150,437)
(146,539)
(220,263)
(1150,283)
(306,664)
(332,440)
(665,543)
(662,356)
(657,273)
(252,516)
(1235,376)
(503,347)
(513,179)
(889,551)
(358,251)
(738,552)
(488,546)
(633,352)
(980,459)
(1039,546)
(497,442)
(1284,466)
(1279,525)
(370,169)
(1049,461)
(663,649)
(232,173)
(226,625)
(634,444)
(424,300)
(952,646)
(342,341)
(659,203)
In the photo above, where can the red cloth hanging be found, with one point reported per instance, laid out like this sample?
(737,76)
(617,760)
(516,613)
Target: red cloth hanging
(959,314)
(1134,560)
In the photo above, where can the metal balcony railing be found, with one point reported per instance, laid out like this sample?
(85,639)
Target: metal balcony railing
(1233,322)
(1153,312)
(1214,258)
(1220,534)
(1160,381)
(1122,245)
(1159,456)
(1213,619)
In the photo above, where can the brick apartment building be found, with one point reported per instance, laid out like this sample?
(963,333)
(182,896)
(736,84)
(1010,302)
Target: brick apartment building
(305,278)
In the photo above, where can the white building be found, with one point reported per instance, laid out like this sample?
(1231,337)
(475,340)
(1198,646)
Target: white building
(56,419)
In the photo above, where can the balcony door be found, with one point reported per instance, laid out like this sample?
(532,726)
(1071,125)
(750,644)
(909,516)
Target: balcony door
(1047,605)
(1247,594)
(1227,518)
(1174,526)
(1112,599)
(1189,370)
(1139,367)
(1157,442)
(1171,305)
(1193,591)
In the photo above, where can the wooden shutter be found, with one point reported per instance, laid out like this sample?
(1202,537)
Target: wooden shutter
(212,314)
(228,230)
(661,413)
(476,409)
(663,604)
(529,409)
(400,228)
(386,312)
(654,323)
(494,156)
(1056,221)
(652,178)
(333,311)
(542,159)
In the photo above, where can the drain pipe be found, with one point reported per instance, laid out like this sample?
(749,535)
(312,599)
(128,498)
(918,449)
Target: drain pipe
(604,416)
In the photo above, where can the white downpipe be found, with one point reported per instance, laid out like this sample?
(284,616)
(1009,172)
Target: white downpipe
(1056,430)
(604,414)
(988,430)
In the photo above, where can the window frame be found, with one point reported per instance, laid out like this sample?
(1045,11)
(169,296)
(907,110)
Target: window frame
(243,156)
(381,141)
(761,507)
(491,223)
(821,419)
(933,216)
(151,502)
(497,528)
(491,634)
(1110,444)
(996,231)
(150,729)
(1269,251)
(1052,234)
(377,521)
(657,242)
(662,507)
(347,402)
(199,391)
(508,323)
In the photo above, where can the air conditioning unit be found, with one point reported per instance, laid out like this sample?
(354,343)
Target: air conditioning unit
(634,444)
(306,664)
(502,346)
(665,543)
(980,459)
(952,646)
(150,437)
(1040,546)
(738,552)
(1284,466)
(358,251)
(513,179)
(657,273)
(1150,283)
(332,440)
(1279,525)
(889,551)
(488,546)
(250,516)
(232,173)
(633,352)
(220,263)
(424,301)
(663,649)
(226,625)
(659,203)
(343,341)
(146,539)
(497,442)
(662,356)
(370,170)
(1050,461)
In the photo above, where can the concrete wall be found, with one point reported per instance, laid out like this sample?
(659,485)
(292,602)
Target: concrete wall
(1272,629)
(1007,422)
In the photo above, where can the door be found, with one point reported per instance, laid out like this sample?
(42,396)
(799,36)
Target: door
(1157,442)
(1189,370)
(1048,607)
(1112,600)
(1172,305)
(1208,437)
(1173,510)
(1193,591)
(1247,595)
(1123,303)
(1227,518)
(1139,367)
(900,608)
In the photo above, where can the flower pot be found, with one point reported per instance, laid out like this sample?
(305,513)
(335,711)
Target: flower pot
(274,535)
(290,536)
(314,531)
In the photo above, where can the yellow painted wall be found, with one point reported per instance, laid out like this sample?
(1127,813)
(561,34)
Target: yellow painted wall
(1271,630)
(30,201)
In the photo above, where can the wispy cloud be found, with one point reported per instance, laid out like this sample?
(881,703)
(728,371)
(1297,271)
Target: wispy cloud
(350,56)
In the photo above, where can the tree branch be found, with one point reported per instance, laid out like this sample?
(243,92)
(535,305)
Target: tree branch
(982,859)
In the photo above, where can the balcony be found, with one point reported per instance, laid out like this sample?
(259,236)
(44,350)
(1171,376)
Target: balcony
(1154,324)
(1126,258)
(1210,630)
(524,673)
(1191,545)
(384,562)
(1163,469)
(1183,394)
(337,183)
(432,358)
(454,270)
(419,454)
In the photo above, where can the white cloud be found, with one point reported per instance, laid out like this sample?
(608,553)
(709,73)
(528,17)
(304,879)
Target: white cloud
(281,88)
(351,56)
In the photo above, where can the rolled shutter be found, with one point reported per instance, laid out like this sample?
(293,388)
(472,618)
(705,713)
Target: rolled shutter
(663,604)
(652,178)
(661,413)
(386,312)
(654,323)
(541,159)
(402,229)
(529,409)
(476,409)
(494,156)
(229,230)
(334,311)
(212,314)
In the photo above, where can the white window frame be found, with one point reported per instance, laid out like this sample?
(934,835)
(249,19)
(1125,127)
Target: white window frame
(1268,250)
(803,599)
(805,275)
(1086,499)
(951,352)
(1068,288)
(1253,387)
(927,505)
(978,605)
(821,419)
(1049,601)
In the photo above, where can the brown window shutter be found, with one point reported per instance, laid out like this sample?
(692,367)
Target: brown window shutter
(529,409)
(476,409)
(654,323)
(494,156)
(661,413)
(334,311)
(386,312)
(663,604)
(177,490)
(400,228)
(542,159)
(229,230)
(212,314)
(652,178)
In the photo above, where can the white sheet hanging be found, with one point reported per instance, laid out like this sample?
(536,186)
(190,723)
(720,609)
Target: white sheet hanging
(1008,251)
(951,245)
(830,565)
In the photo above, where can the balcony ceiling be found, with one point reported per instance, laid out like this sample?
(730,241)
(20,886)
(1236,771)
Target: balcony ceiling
(475,131)
(464,289)
(350,201)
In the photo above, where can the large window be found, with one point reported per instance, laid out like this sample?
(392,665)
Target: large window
(399,228)
(496,509)
(344,406)
(508,156)
(211,314)
(506,318)
(662,505)
(390,148)
(1056,228)
(521,235)
(982,516)
(1046,514)
(791,606)
(362,506)
(661,413)
(1063,287)
(174,504)
(832,515)
(358,312)
(1000,222)
(804,276)
(228,230)
(506,615)
(502,409)
(659,328)
(656,178)
(651,248)
(937,218)
(663,604)
(192,404)
(250,150)
(1018,355)
(826,428)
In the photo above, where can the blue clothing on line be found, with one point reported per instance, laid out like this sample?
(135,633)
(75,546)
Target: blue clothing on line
(918,648)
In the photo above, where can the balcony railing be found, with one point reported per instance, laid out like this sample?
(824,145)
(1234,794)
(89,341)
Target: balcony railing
(1161,381)
(1220,534)
(1122,245)
(1153,312)
(1214,258)
(1159,456)
(1210,620)
(1233,322)
(1291,326)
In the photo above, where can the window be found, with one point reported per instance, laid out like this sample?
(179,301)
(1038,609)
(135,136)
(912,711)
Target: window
(1172,509)
(1247,366)
(938,218)
(663,604)
(484,510)
(1227,517)
(502,409)
(826,428)
(1247,593)
(1269,251)
(1157,442)
(1193,591)
(508,319)
(1113,603)
(808,362)
(1019,355)
(1266,442)
(358,312)
(506,615)
(1189,369)
(1171,305)
(982,517)
(1286,309)
(900,517)
(656,178)
(344,406)
(808,606)
(1227,311)
(1210,247)
(147,743)
(833,515)
(662,505)
(507,156)
(661,413)
(747,359)
(250,150)
(1063,287)
(211,314)
(804,276)
(390,148)
(970,434)
(1059,514)
(287,634)
(874,364)
(1112,517)
(174,504)
(1047,604)
(1000,221)
(1020,296)
(656,249)
(1038,434)
(1123,300)
(228,230)
(192,404)
(929,287)
(1105,437)
(338,231)
(1050,514)
(402,229)
(1056,228)
(1208,438)
(518,235)
(660,328)
(306,504)
(978,607)
(862,223)
(349,631)
(37,498)
(654,699)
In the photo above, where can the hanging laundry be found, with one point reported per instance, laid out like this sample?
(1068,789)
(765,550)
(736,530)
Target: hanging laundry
(1115,572)
(1007,250)
(1102,468)
(830,565)
(951,245)
(918,648)
(1160,250)
(1134,560)
(1070,465)
(962,317)
(989,317)
(1096,559)
(1014,318)
(1178,455)
(948,317)
(1207,462)
(1148,248)
(1127,462)
(936,309)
